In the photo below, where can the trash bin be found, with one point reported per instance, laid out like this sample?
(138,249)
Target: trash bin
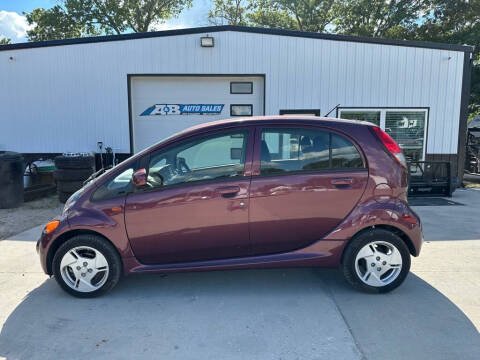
(11,179)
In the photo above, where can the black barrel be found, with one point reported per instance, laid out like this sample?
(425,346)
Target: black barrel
(11,179)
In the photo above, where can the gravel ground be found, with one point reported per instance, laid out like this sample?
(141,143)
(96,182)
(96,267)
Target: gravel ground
(28,215)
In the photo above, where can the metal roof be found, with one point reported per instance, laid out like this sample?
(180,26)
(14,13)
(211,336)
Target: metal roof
(244,29)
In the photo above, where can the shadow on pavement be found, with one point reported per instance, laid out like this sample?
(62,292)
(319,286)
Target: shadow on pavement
(250,314)
(415,321)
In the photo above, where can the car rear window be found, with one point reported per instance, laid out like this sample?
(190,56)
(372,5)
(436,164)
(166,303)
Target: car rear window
(296,150)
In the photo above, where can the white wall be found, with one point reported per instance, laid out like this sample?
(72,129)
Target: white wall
(66,98)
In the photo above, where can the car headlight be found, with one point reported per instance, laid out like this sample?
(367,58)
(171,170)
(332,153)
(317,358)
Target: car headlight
(71,200)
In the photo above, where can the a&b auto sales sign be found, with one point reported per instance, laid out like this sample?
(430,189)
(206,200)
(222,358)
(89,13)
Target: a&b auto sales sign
(183,109)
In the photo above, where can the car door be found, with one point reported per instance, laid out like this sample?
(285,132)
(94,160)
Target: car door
(195,206)
(305,182)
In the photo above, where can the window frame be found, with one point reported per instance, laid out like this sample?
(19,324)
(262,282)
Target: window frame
(241,82)
(250,132)
(383,115)
(249,105)
(315,112)
(119,169)
(256,169)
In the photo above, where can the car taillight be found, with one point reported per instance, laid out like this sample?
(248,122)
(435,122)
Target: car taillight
(390,145)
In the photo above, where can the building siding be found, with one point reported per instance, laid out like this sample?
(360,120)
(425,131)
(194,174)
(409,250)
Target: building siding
(66,98)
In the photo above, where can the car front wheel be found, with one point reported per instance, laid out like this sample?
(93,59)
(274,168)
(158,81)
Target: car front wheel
(86,266)
(377,260)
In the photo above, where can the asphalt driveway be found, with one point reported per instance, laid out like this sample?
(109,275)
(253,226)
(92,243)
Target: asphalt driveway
(255,314)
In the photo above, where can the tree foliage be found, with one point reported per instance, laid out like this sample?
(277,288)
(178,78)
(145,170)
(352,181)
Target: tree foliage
(229,12)
(55,23)
(266,13)
(78,18)
(378,18)
(5,41)
(303,15)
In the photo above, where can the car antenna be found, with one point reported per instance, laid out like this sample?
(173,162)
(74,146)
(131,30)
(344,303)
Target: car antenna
(336,106)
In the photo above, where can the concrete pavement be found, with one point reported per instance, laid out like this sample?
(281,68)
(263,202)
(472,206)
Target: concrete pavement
(255,314)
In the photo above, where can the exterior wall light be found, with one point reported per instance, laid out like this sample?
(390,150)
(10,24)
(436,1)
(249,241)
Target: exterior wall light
(207,41)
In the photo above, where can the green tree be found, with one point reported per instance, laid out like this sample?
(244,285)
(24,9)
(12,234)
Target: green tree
(303,15)
(55,23)
(229,12)
(5,41)
(78,18)
(378,18)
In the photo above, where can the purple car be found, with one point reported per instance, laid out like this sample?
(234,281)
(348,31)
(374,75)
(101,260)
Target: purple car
(258,192)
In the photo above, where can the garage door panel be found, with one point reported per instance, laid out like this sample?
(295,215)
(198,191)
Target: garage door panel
(164,105)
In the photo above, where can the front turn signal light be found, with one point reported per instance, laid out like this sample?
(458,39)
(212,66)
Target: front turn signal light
(52,225)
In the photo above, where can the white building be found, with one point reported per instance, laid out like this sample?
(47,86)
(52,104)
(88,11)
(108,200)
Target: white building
(132,90)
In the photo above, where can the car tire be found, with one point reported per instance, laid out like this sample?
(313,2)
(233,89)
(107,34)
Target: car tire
(74,162)
(87,266)
(72,174)
(69,186)
(379,272)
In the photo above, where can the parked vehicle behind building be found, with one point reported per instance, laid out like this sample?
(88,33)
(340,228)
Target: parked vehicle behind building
(256,192)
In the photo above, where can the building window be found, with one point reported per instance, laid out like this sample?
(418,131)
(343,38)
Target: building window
(241,110)
(308,112)
(407,126)
(241,87)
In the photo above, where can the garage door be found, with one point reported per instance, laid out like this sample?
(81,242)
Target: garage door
(164,105)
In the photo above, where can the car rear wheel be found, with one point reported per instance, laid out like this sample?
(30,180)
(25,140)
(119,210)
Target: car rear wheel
(86,266)
(376,261)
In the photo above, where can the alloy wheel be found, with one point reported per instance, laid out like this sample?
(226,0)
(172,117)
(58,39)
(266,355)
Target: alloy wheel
(84,269)
(378,263)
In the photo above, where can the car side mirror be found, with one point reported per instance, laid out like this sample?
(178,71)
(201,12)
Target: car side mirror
(139,178)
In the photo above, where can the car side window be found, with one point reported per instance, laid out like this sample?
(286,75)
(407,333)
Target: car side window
(213,157)
(344,154)
(294,150)
(119,185)
(287,150)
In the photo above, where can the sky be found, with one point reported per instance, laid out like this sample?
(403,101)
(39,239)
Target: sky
(14,26)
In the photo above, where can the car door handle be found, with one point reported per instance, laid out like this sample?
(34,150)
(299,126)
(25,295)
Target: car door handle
(342,182)
(228,190)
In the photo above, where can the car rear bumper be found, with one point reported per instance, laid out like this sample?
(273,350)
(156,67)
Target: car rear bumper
(410,223)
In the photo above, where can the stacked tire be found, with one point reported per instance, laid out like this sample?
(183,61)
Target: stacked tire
(11,179)
(70,173)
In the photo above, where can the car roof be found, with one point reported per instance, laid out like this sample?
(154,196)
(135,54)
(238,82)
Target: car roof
(253,121)
(272,119)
